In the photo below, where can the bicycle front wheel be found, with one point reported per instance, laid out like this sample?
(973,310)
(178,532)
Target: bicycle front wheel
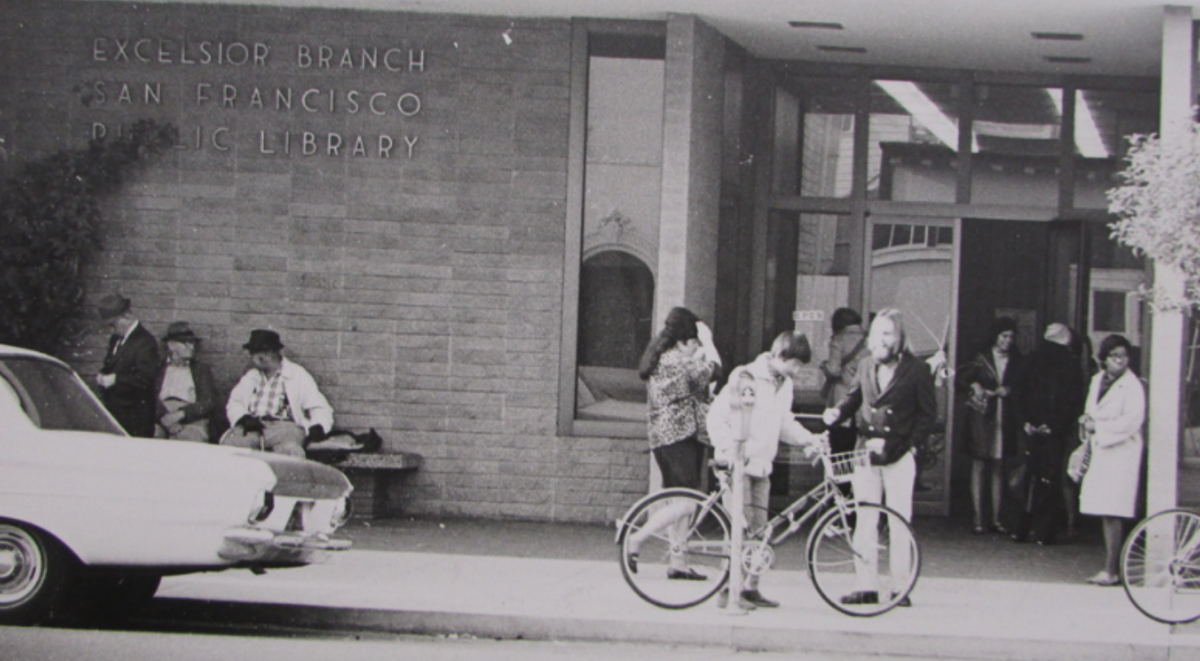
(863,559)
(675,548)
(1160,566)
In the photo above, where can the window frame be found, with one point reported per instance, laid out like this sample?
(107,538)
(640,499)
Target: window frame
(608,38)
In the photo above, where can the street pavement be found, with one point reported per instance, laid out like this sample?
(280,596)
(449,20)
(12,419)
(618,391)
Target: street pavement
(978,597)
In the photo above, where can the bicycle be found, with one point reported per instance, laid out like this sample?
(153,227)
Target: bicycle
(1160,566)
(888,565)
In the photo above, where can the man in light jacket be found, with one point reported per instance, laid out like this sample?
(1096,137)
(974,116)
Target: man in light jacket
(765,388)
(276,406)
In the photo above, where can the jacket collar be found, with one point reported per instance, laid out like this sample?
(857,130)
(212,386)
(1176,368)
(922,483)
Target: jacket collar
(760,369)
(904,365)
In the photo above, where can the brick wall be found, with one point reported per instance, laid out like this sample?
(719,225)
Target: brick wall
(423,292)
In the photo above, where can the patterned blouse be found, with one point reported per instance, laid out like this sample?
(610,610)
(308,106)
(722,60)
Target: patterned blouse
(678,398)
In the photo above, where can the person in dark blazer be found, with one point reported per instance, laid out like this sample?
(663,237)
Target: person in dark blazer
(895,406)
(130,367)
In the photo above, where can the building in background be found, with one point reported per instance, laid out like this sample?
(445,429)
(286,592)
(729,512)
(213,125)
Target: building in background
(468,225)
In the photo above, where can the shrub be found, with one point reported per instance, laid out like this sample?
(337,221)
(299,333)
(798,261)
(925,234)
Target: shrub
(51,225)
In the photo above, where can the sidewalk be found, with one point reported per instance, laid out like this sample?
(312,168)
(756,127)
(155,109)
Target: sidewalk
(561,582)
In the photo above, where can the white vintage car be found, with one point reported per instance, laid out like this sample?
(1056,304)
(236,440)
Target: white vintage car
(91,518)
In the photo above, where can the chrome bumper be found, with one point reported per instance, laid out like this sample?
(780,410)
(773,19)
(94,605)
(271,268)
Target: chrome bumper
(256,545)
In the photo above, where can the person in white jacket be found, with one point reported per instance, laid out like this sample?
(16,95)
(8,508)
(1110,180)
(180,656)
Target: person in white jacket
(1112,425)
(276,405)
(765,387)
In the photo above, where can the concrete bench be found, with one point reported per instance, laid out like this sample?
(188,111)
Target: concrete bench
(372,475)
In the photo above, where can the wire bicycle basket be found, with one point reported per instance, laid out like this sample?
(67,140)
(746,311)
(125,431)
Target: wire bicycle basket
(840,466)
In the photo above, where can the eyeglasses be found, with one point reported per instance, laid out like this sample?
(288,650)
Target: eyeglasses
(1119,355)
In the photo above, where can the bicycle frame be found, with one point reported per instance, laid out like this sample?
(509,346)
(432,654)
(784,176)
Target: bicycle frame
(805,508)
(802,510)
(842,555)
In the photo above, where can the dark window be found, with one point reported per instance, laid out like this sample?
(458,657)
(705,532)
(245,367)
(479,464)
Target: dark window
(1108,311)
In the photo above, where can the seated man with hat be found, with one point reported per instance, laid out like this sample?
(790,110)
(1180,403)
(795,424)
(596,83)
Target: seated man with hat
(276,406)
(186,394)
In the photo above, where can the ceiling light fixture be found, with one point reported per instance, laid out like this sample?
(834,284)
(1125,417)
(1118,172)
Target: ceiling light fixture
(1057,36)
(842,49)
(817,25)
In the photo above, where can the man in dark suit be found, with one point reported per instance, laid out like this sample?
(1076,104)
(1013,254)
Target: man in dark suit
(127,377)
(895,406)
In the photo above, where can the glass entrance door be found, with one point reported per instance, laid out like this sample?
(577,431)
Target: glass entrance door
(1093,286)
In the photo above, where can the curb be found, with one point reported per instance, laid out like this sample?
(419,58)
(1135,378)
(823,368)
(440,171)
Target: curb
(280,618)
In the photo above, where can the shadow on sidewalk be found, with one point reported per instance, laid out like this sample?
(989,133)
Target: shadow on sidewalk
(948,548)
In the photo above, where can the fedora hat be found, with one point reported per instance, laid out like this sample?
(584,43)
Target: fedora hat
(112,305)
(263,340)
(179,331)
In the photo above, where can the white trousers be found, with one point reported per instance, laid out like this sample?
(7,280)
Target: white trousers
(892,486)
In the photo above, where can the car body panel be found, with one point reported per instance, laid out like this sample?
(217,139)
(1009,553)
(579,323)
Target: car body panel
(116,500)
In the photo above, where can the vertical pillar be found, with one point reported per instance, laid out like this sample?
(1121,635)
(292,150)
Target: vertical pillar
(693,120)
(1167,328)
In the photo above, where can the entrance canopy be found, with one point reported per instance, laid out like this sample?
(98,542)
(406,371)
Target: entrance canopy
(1090,37)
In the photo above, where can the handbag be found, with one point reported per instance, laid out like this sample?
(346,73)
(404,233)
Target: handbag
(1077,463)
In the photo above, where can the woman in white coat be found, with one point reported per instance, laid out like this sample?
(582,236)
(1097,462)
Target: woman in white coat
(1112,421)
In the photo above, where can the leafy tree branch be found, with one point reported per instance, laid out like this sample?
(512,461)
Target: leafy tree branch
(1158,209)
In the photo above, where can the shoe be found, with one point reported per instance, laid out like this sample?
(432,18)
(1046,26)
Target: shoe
(979,530)
(755,597)
(861,597)
(905,602)
(723,600)
(998,527)
(685,575)
(1020,537)
(1104,579)
(631,562)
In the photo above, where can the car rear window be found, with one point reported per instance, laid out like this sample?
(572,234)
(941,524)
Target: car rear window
(52,396)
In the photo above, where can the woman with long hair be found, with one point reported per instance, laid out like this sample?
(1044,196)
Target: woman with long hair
(990,424)
(678,365)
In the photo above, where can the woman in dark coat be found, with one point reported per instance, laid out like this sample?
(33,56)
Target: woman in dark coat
(1049,399)
(990,424)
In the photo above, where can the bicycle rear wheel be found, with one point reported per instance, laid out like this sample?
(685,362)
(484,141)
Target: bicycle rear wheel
(1160,566)
(675,549)
(863,559)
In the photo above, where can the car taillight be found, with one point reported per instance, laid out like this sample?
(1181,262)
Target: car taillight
(263,506)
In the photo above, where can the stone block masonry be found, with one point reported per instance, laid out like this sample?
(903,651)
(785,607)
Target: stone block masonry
(384,189)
